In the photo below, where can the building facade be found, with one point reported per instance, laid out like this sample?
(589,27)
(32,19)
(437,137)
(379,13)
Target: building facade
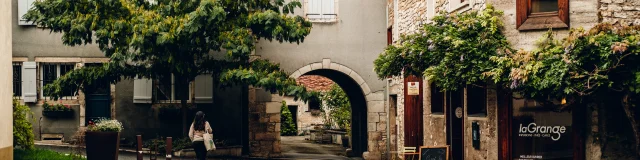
(484,123)
(6,111)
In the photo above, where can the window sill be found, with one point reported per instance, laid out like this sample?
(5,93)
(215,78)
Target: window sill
(543,23)
(322,20)
(478,115)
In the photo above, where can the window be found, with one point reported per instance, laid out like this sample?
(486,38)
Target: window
(456,5)
(389,35)
(23,7)
(17,79)
(49,72)
(314,104)
(542,14)
(321,10)
(477,100)
(166,89)
(437,100)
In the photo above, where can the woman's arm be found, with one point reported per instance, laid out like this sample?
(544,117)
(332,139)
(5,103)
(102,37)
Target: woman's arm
(191,132)
(209,127)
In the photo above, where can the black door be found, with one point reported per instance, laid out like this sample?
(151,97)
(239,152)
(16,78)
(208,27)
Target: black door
(98,100)
(455,121)
(294,114)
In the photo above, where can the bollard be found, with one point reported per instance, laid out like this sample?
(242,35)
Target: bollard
(139,147)
(169,147)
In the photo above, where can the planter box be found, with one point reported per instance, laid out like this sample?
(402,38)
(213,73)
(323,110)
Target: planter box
(102,145)
(58,114)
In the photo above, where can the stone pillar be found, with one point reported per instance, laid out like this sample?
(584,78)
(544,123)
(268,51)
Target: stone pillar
(6,94)
(264,124)
(376,126)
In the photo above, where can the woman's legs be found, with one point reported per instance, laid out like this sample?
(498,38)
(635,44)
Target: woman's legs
(200,149)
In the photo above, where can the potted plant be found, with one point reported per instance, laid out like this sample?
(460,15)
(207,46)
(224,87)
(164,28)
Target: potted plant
(56,110)
(102,139)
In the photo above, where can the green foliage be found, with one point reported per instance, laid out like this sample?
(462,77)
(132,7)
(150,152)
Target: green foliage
(41,154)
(339,106)
(56,107)
(105,125)
(287,125)
(185,38)
(451,51)
(22,128)
(160,144)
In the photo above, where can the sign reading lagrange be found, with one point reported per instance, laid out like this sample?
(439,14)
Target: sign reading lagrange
(541,134)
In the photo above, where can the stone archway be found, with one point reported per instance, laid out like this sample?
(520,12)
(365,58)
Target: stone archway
(356,89)
(368,112)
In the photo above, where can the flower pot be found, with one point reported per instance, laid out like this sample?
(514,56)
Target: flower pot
(345,141)
(57,114)
(102,145)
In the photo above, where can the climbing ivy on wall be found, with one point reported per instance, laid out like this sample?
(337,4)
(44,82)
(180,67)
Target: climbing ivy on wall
(287,125)
(595,67)
(338,106)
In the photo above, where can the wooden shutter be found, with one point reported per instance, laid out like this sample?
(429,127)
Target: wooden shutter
(204,88)
(314,8)
(328,9)
(23,7)
(29,82)
(142,88)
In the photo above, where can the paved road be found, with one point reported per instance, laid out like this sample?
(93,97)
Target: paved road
(296,147)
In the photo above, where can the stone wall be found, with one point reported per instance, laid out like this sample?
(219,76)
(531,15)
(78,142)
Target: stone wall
(376,125)
(625,12)
(305,119)
(264,124)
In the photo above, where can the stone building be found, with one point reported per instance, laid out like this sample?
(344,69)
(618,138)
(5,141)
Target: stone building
(308,115)
(450,118)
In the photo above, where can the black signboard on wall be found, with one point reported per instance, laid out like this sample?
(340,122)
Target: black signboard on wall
(540,133)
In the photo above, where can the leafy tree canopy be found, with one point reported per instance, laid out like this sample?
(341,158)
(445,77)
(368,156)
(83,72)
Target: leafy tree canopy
(184,38)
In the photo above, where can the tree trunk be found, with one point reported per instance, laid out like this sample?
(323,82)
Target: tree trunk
(627,106)
(183,106)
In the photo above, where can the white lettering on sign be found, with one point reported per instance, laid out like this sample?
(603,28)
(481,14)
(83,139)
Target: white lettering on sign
(533,130)
(413,88)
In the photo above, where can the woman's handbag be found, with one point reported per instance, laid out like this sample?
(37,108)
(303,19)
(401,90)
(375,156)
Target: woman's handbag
(208,141)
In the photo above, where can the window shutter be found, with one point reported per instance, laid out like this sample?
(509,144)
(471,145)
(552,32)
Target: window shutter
(142,90)
(204,88)
(29,82)
(23,7)
(328,9)
(314,9)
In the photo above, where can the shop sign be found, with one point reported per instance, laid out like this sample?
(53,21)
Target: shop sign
(413,88)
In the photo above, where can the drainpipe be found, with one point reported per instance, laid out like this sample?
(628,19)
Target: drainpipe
(386,98)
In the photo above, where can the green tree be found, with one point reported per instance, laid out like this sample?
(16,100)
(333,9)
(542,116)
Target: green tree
(287,125)
(339,107)
(596,67)
(22,128)
(145,38)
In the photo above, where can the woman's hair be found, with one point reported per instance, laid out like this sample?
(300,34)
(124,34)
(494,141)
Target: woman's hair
(199,121)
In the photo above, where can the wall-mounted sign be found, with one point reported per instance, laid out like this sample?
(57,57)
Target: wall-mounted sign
(540,133)
(413,88)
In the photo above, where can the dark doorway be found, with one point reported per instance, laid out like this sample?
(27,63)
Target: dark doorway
(98,99)
(294,114)
(455,124)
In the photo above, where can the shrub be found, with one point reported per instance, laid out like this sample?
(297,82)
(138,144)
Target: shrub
(104,125)
(22,128)
(287,126)
(56,107)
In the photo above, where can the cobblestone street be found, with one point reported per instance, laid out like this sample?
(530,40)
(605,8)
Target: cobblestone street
(296,147)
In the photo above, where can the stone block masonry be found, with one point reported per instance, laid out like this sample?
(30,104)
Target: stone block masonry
(624,12)
(264,125)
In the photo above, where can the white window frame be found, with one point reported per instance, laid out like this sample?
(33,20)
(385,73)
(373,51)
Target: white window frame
(321,20)
(431,9)
(458,6)
(173,92)
(41,81)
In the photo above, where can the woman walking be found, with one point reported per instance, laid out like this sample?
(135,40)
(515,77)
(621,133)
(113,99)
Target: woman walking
(199,127)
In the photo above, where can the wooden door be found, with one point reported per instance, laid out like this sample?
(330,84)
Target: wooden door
(455,124)
(413,114)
